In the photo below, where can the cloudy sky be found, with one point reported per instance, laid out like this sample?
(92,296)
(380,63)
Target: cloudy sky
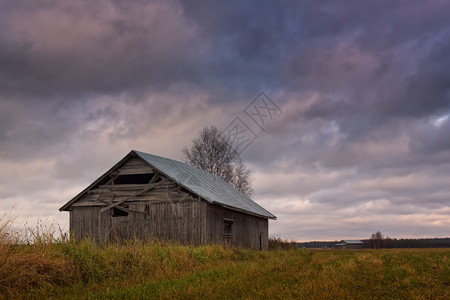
(360,143)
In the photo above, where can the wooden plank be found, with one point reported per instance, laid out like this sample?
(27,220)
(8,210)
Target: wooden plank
(85,204)
(120,187)
(155,177)
(146,189)
(132,171)
(155,193)
(134,162)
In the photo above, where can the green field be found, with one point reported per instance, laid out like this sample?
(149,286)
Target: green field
(155,270)
(38,265)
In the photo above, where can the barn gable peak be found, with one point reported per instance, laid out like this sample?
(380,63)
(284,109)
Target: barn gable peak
(139,167)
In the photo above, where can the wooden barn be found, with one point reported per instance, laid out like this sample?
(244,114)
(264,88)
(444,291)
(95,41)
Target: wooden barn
(150,197)
(349,244)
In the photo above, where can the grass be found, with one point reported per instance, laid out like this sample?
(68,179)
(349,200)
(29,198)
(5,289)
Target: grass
(45,267)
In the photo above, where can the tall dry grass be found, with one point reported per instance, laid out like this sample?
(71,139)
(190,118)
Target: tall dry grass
(44,259)
(29,260)
(277,243)
(42,263)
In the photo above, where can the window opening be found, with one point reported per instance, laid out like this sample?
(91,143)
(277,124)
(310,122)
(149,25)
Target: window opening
(134,179)
(116,212)
(227,230)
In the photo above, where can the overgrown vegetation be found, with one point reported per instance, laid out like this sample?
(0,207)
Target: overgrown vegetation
(60,268)
(277,243)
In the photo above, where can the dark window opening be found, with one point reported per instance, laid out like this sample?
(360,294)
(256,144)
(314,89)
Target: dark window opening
(102,182)
(116,212)
(134,179)
(227,230)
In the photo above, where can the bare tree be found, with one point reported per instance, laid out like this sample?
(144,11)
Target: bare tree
(377,239)
(213,152)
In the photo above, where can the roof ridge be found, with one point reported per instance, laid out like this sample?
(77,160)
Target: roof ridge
(208,186)
(181,162)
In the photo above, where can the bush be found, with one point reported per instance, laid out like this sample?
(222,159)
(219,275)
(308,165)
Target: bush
(276,243)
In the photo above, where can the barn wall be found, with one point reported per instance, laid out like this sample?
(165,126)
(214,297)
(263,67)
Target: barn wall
(84,223)
(166,212)
(183,222)
(167,191)
(135,166)
(246,230)
(352,246)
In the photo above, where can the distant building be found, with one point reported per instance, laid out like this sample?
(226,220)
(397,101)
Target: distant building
(349,244)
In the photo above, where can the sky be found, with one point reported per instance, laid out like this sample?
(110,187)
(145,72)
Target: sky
(346,105)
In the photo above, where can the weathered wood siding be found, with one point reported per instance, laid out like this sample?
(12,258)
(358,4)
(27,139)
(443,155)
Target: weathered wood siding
(183,222)
(167,191)
(135,166)
(84,223)
(165,212)
(247,230)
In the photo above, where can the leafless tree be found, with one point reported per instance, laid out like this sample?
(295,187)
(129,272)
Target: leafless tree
(213,152)
(377,239)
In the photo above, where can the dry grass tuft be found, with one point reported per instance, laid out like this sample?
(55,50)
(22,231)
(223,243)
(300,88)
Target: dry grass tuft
(43,263)
(28,263)
(277,243)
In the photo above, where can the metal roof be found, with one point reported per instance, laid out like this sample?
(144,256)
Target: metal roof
(210,187)
(351,242)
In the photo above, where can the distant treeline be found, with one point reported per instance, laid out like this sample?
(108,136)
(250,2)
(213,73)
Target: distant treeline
(316,244)
(385,243)
(406,243)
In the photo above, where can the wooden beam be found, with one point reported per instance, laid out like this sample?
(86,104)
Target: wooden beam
(113,177)
(124,187)
(148,187)
(127,210)
(155,176)
(136,171)
(87,204)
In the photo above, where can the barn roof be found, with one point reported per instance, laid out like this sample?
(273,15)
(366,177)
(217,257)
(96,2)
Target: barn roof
(207,186)
(210,187)
(351,242)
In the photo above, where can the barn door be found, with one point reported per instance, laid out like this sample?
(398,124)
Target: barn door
(227,231)
(118,226)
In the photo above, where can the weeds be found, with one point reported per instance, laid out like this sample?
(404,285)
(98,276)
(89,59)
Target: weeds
(45,264)
(279,243)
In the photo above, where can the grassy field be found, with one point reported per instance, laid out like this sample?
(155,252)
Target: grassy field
(56,269)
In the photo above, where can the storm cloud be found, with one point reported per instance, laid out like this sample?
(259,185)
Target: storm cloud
(362,143)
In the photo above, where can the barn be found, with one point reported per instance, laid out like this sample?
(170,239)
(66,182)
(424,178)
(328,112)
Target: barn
(145,196)
(349,244)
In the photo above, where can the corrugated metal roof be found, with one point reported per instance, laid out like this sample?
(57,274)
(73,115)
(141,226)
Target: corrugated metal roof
(210,187)
(352,241)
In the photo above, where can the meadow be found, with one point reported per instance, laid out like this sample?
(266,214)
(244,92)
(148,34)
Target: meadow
(58,268)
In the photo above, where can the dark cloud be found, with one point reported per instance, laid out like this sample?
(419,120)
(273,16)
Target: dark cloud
(432,137)
(64,49)
(364,90)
